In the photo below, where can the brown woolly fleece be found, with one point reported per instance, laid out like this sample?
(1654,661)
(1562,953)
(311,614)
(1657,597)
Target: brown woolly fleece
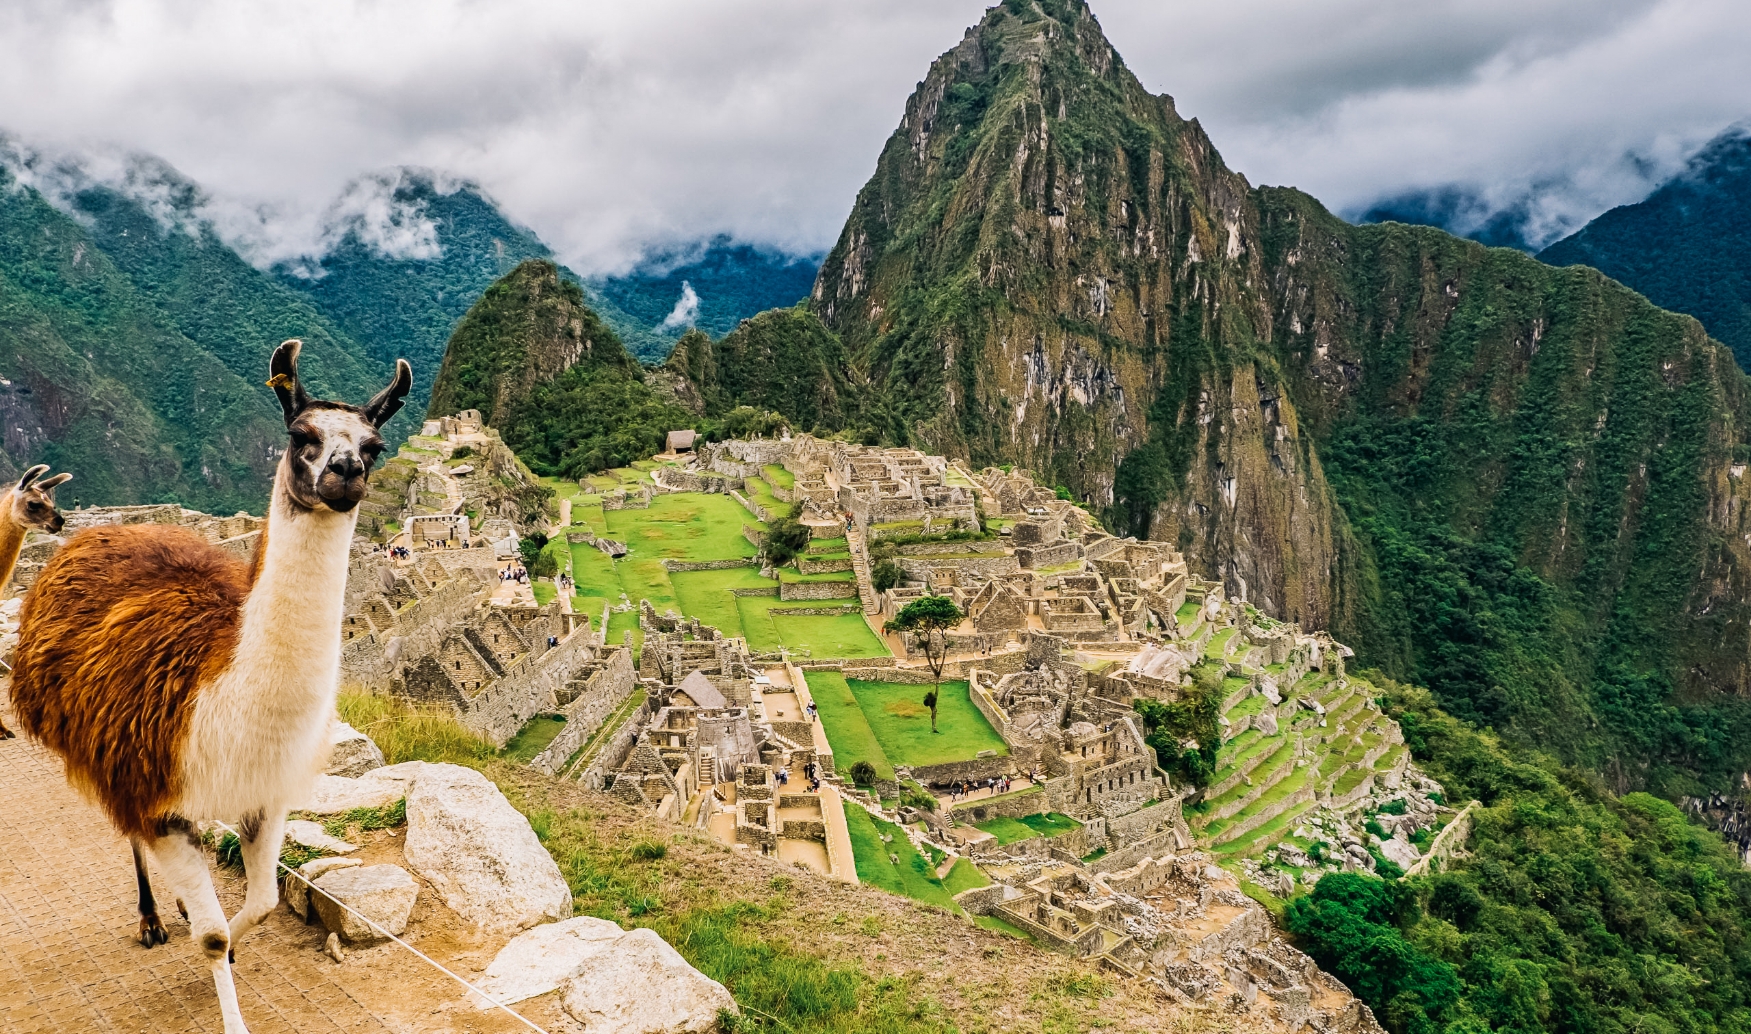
(118,635)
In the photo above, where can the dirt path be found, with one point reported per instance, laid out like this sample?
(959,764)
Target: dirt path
(69,962)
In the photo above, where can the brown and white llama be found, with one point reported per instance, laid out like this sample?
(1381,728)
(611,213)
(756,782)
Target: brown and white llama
(26,505)
(181,684)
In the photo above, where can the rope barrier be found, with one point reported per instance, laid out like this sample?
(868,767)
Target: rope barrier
(373,925)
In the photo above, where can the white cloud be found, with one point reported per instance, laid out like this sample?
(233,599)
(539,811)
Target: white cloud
(686,309)
(615,129)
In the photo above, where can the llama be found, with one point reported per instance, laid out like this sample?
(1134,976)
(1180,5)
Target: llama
(22,507)
(180,684)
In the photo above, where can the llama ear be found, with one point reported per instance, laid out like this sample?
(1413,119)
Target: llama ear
(31,475)
(388,401)
(283,378)
(49,484)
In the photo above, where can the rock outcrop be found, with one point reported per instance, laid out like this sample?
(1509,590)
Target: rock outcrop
(383,894)
(479,853)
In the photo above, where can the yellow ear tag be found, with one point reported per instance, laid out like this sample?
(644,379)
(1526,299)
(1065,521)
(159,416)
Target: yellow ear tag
(280,380)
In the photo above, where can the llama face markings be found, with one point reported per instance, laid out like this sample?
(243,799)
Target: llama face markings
(331,452)
(31,503)
(333,445)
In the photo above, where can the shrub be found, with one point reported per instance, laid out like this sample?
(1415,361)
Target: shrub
(863,773)
(785,538)
(530,546)
(885,575)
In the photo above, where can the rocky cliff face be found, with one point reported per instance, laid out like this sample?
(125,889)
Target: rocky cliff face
(1517,484)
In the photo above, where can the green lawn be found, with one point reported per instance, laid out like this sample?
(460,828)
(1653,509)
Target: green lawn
(896,713)
(847,729)
(1008,831)
(683,526)
(912,877)
(964,876)
(838,545)
(532,739)
(786,574)
(760,494)
(706,595)
(824,636)
(544,592)
(777,475)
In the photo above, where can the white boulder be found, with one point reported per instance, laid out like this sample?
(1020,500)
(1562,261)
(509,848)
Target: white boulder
(1400,852)
(351,752)
(1266,723)
(479,852)
(643,986)
(384,894)
(298,893)
(539,960)
(313,836)
(377,788)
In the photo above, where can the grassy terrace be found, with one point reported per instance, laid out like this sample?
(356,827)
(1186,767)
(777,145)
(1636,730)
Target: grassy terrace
(786,574)
(778,476)
(830,546)
(1008,831)
(1217,644)
(887,722)
(760,494)
(915,875)
(696,526)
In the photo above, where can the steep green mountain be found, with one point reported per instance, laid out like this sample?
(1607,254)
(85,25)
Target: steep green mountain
(1687,246)
(552,377)
(730,282)
(781,360)
(218,300)
(1517,484)
(100,379)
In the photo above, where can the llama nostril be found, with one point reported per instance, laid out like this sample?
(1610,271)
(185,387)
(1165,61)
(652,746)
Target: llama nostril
(346,466)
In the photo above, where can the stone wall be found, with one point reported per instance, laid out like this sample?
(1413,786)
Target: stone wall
(831,565)
(1447,843)
(1048,556)
(1157,845)
(602,692)
(374,659)
(691,481)
(529,686)
(1015,805)
(707,565)
(817,590)
(978,769)
(613,754)
(919,568)
(1144,824)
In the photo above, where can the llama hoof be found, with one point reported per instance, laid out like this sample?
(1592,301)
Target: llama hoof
(231,957)
(152,932)
(7,734)
(181,908)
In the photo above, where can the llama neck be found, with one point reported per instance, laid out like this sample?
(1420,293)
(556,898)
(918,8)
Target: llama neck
(11,541)
(289,644)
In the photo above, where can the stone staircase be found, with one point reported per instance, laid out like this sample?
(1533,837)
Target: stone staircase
(860,568)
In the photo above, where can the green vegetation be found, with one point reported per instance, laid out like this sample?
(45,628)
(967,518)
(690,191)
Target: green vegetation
(512,357)
(533,738)
(913,877)
(1008,831)
(847,729)
(732,282)
(1685,245)
(900,721)
(783,360)
(406,733)
(1192,719)
(1577,910)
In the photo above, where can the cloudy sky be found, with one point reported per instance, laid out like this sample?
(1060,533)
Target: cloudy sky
(614,128)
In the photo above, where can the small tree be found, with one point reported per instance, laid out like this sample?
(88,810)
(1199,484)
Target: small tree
(930,618)
(863,773)
(885,575)
(529,547)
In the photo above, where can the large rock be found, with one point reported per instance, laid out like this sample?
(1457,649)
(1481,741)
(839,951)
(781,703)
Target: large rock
(351,752)
(479,852)
(298,892)
(1400,852)
(383,894)
(643,986)
(334,795)
(538,961)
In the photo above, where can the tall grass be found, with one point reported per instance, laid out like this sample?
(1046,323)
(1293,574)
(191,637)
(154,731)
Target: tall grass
(408,733)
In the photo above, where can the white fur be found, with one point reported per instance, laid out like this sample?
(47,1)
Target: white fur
(260,729)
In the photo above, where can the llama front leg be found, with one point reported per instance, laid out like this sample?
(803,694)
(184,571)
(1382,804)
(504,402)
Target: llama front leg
(178,850)
(151,928)
(261,835)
